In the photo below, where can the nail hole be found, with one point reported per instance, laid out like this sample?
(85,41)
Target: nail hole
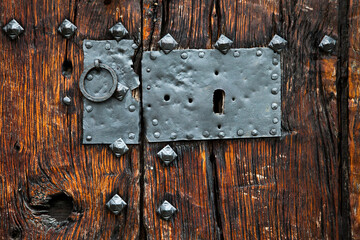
(107,2)
(190,100)
(233,99)
(167,97)
(17,146)
(149,105)
(67,68)
(216,72)
(219,126)
(218,101)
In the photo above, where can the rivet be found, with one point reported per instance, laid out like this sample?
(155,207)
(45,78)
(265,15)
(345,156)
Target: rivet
(274,91)
(206,134)
(152,56)
(134,46)
(66,100)
(274,76)
(131,136)
(221,134)
(275,61)
(173,135)
(258,53)
(273,131)
(184,56)
(148,87)
(254,132)
(155,122)
(274,106)
(107,46)
(132,108)
(236,54)
(189,136)
(240,132)
(201,54)
(88,45)
(89,138)
(275,120)
(89,108)
(148,70)
(156,134)
(89,77)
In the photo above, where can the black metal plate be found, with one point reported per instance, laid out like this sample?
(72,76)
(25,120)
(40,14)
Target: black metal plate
(250,78)
(105,122)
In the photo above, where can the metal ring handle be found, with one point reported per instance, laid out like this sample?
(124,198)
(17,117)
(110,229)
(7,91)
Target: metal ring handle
(106,96)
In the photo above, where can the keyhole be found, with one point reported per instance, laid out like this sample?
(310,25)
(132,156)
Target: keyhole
(219,101)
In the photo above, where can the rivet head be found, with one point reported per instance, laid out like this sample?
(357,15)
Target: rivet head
(201,54)
(118,31)
(89,77)
(273,131)
(275,61)
(88,45)
(148,87)
(155,122)
(206,134)
(167,43)
(254,132)
(13,29)
(184,55)
(89,138)
(223,44)
(274,76)
(131,136)
(274,91)
(119,147)
(258,53)
(221,134)
(89,108)
(66,100)
(121,91)
(327,44)
(116,204)
(152,56)
(240,132)
(189,136)
(148,70)
(236,54)
(157,134)
(167,155)
(277,43)
(67,29)
(274,106)
(132,108)
(107,46)
(166,210)
(134,46)
(275,120)
(173,135)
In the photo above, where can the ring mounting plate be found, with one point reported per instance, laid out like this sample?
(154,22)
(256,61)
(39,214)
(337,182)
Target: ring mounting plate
(204,94)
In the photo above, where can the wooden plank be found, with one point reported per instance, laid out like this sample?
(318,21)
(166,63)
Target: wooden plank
(286,188)
(354,117)
(41,151)
(188,183)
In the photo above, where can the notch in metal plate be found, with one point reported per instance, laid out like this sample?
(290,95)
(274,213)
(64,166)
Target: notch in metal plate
(205,94)
(108,69)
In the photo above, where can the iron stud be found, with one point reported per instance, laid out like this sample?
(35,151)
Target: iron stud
(167,155)
(119,147)
(277,43)
(118,31)
(66,100)
(13,29)
(223,44)
(120,91)
(166,210)
(116,204)
(167,43)
(327,44)
(67,29)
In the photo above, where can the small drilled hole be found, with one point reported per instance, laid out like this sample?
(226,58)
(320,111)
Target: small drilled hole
(67,68)
(190,100)
(167,97)
(149,105)
(216,72)
(233,99)
(219,126)
(17,147)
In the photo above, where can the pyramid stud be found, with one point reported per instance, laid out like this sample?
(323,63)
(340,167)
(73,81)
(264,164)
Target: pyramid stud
(67,29)
(166,210)
(167,155)
(119,147)
(13,29)
(327,44)
(167,43)
(120,91)
(277,43)
(116,204)
(118,31)
(223,44)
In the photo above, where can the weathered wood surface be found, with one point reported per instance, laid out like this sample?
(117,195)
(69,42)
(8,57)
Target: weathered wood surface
(268,188)
(40,138)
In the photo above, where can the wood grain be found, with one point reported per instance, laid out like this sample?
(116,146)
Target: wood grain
(41,150)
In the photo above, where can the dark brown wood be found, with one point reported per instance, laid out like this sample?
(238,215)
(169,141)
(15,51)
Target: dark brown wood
(41,151)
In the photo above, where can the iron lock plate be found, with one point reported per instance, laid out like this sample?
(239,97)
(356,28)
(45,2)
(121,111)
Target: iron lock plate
(179,88)
(110,110)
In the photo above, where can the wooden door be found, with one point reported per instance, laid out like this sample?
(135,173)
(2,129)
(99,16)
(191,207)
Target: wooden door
(303,185)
